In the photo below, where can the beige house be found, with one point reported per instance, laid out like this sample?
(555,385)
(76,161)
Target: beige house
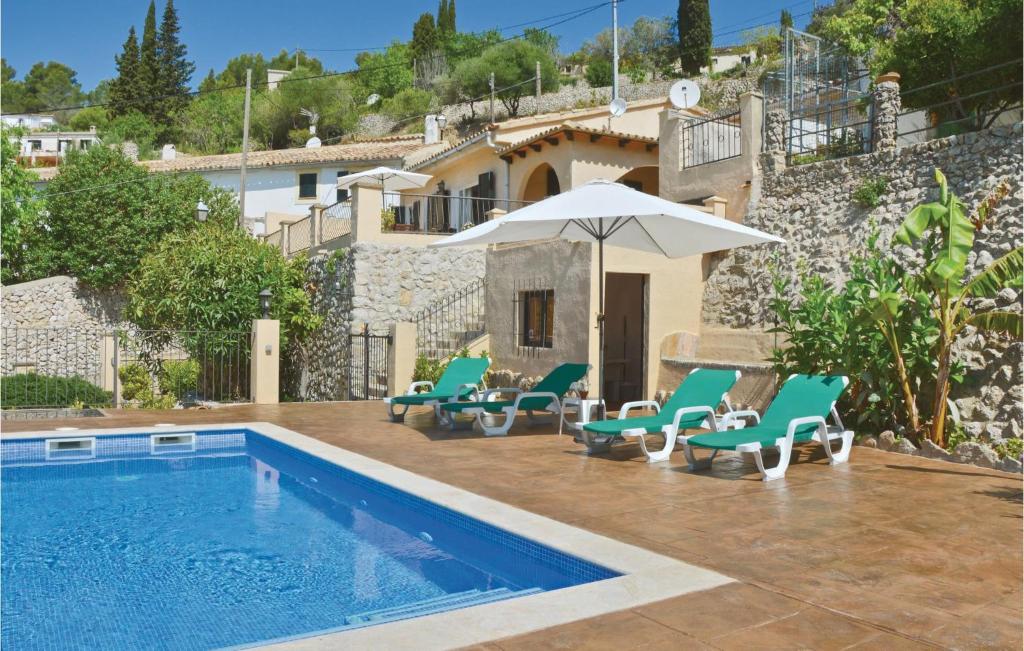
(541,297)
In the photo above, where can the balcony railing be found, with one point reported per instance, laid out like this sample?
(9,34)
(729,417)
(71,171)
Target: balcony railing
(442,214)
(336,221)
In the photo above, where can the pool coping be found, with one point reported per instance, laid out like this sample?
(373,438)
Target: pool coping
(646,576)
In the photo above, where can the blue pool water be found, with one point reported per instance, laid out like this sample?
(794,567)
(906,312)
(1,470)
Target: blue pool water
(242,541)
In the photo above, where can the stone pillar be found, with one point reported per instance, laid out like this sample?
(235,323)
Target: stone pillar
(717,205)
(751,124)
(265,361)
(401,357)
(315,213)
(494,213)
(367,204)
(887,108)
(285,236)
(774,155)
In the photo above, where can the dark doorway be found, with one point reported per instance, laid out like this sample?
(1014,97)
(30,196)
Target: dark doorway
(625,338)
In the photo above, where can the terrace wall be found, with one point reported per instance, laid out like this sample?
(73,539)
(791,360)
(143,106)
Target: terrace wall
(811,206)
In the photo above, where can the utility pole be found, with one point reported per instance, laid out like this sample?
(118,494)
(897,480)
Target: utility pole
(537,91)
(492,98)
(245,149)
(615,49)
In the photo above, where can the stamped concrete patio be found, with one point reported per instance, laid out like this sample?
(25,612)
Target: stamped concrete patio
(886,552)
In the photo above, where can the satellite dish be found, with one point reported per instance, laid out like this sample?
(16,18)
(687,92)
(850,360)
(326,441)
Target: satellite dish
(684,94)
(372,99)
(617,107)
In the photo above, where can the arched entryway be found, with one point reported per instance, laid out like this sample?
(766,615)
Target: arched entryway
(644,179)
(542,183)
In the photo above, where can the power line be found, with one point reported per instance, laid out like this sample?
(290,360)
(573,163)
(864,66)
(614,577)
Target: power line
(765,15)
(571,16)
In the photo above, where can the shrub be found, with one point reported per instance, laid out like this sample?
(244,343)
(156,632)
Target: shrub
(599,73)
(178,376)
(1010,448)
(869,193)
(431,370)
(136,384)
(34,390)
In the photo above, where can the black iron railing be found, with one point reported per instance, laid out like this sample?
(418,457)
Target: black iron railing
(441,214)
(713,138)
(453,322)
(836,128)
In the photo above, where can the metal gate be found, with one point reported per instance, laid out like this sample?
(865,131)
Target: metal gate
(369,365)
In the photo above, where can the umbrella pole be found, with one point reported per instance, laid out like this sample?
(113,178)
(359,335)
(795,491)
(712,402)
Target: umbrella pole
(601,411)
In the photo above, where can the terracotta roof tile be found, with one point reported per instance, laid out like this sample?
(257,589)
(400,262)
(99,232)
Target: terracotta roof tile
(577,128)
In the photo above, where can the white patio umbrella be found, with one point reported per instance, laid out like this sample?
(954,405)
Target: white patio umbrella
(390,179)
(602,211)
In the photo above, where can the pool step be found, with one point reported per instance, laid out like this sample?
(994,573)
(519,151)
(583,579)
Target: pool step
(437,604)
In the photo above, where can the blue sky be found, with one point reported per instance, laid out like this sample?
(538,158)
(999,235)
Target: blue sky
(86,36)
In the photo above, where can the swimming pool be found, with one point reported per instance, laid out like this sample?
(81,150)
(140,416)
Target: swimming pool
(213,538)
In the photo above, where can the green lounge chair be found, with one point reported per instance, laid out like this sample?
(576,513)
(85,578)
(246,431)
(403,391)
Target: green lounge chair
(692,405)
(458,382)
(796,415)
(546,396)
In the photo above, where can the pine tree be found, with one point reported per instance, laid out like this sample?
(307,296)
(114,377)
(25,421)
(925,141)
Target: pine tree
(694,35)
(125,89)
(208,83)
(175,69)
(149,70)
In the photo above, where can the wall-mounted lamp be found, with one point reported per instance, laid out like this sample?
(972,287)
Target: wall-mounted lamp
(265,302)
(441,121)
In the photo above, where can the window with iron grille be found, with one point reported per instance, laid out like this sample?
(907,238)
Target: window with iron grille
(538,318)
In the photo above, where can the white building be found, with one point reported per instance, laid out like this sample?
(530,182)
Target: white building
(29,121)
(55,143)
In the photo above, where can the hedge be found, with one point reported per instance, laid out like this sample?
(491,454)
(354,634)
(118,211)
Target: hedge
(34,390)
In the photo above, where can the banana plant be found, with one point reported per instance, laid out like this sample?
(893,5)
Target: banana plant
(948,236)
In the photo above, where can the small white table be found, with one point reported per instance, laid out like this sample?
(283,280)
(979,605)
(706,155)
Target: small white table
(584,408)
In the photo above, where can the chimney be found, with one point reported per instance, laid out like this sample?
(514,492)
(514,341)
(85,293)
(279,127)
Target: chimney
(431,130)
(169,152)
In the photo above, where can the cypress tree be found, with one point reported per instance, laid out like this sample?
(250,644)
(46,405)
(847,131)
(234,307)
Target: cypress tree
(785,20)
(125,89)
(150,79)
(451,17)
(175,69)
(694,35)
(424,37)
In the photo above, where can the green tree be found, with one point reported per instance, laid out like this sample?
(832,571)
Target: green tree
(175,68)
(694,18)
(150,73)
(208,279)
(409,103)
(277,113)
(233,73)
(512,62)
(467,45)
(785,20)
(212,123)
(132,127)
(127,89)
(285,60)
(599,73)
(928,41)
(446,18)
(91,116)
(385,73)
(209,83)
(424,37)
(947,231)
(20,210)
(12,91)
(51,85)
(104,213)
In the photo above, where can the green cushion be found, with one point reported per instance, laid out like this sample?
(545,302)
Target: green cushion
(461,370)
(557,382)
(701,388)
(799,397)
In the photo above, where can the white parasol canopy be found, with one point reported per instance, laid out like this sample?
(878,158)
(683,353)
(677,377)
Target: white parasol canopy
(390,179)
(605,212)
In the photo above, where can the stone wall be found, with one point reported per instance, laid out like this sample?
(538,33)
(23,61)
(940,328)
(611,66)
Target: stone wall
(715,93)
(55,327)
(373,284)
(811,207)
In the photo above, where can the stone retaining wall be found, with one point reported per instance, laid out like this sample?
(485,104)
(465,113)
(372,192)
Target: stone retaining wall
(53,326)
(811,206)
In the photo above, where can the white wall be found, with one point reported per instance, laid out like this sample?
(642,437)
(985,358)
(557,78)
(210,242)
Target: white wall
(276,189)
